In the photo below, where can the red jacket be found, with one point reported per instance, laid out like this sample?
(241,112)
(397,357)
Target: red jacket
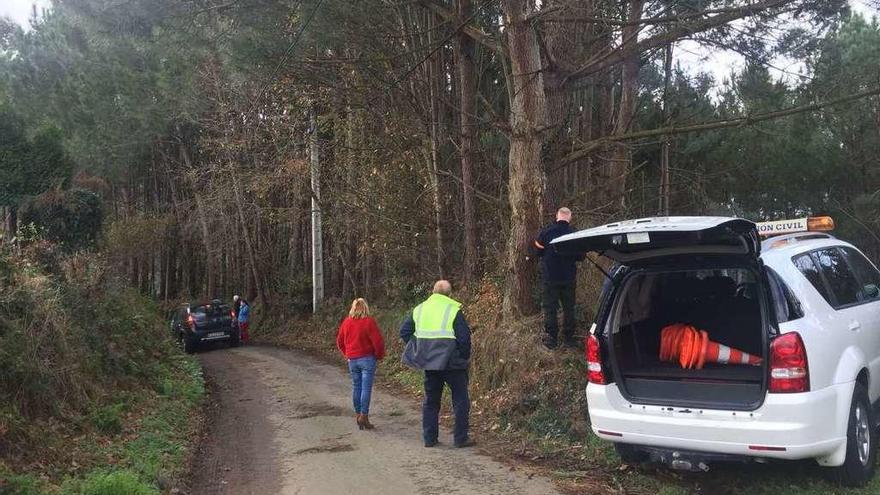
(360,337)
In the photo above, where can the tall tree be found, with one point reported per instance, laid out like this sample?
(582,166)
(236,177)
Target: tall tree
(467,87)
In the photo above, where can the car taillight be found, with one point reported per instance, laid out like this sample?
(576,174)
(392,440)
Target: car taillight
(789,372)
(232,314)
(594,361)
(191,321)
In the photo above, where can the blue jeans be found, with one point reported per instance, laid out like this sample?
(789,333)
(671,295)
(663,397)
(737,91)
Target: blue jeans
(362,370)
(461,404)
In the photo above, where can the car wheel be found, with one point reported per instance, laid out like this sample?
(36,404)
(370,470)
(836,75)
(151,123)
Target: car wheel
(861,442)
(235,339)
(630,454)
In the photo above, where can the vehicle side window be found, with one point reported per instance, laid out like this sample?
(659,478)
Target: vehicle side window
(841,279)
(805,264)
(866,272)
(785,303)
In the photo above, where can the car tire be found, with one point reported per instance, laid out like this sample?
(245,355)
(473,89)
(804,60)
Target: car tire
(630,454)
(235,339)
(189,345)
(861,442)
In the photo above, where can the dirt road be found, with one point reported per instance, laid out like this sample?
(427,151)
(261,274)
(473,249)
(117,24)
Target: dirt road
(284,426)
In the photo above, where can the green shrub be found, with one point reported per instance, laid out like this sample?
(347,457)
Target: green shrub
(11,484)
(66,338)
(112,483)
(70,218)
(79,350)
(108,419)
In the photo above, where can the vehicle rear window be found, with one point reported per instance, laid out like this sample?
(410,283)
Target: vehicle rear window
(865,271)
(805,264)
(203,310)
(844,284)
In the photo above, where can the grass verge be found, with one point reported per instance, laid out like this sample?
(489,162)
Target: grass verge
(147,450)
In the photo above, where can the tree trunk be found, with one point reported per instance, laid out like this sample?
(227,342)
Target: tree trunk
(210,261)
(434,159)
(245,230)
(11,222)
(347,251)
(366,271)
(526,171)
(171,271)
(203,222)
(468,92)
(294,244)
(564,43)
(615,187)
(664,154)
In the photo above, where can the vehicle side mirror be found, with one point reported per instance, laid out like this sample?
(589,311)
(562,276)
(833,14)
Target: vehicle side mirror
(871,291)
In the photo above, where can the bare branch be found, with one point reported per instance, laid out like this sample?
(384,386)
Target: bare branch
(649,21)
(619,54)
(467,28)
(597,144)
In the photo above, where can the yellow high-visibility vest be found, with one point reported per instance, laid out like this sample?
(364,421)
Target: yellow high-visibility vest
(434,317)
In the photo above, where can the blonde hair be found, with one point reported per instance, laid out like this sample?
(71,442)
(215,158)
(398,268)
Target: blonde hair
(359,308)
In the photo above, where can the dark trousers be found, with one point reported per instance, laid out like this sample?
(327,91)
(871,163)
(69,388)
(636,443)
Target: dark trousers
(461,403)
(554,293)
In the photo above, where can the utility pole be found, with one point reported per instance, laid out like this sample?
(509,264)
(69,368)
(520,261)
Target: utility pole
(317,247)
(664,152)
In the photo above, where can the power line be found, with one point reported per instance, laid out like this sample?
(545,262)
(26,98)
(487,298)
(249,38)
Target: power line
(284,57)
(439,45)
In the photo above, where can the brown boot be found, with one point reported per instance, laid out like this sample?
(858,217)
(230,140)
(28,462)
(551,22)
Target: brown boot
(360,421)
(365,420)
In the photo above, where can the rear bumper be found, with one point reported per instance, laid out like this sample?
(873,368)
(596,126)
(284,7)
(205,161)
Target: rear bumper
(792,426)
(212,335)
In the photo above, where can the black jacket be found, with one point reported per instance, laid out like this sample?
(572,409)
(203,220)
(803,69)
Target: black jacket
(558,268)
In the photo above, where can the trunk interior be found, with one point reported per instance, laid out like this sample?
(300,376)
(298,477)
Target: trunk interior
(724,303)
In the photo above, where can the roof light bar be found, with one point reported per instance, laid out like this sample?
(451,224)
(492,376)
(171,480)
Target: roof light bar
(807,224)
(820,224)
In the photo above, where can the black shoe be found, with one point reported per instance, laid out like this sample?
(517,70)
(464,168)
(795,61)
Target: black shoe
(432,443)
(571,344)
(550,344)
(467,443)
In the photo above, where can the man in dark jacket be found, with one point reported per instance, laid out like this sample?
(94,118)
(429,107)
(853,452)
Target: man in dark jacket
(438,341)
(560,274)
(236,305)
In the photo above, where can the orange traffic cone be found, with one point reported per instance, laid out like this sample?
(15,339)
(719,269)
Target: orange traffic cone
(692,349)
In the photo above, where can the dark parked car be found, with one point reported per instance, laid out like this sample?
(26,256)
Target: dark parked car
(196,323)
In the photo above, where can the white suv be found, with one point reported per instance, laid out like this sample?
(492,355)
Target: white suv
(806,305)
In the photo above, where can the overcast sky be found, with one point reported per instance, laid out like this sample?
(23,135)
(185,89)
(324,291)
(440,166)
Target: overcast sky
(719,63)
(20,10)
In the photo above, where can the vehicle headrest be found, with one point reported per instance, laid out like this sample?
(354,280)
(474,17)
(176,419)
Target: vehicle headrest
(683,288)
(719,286)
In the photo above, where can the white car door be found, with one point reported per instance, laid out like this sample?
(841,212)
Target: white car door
(855,302)
(869,310)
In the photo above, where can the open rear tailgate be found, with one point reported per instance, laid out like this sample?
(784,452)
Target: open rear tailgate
(645,238)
